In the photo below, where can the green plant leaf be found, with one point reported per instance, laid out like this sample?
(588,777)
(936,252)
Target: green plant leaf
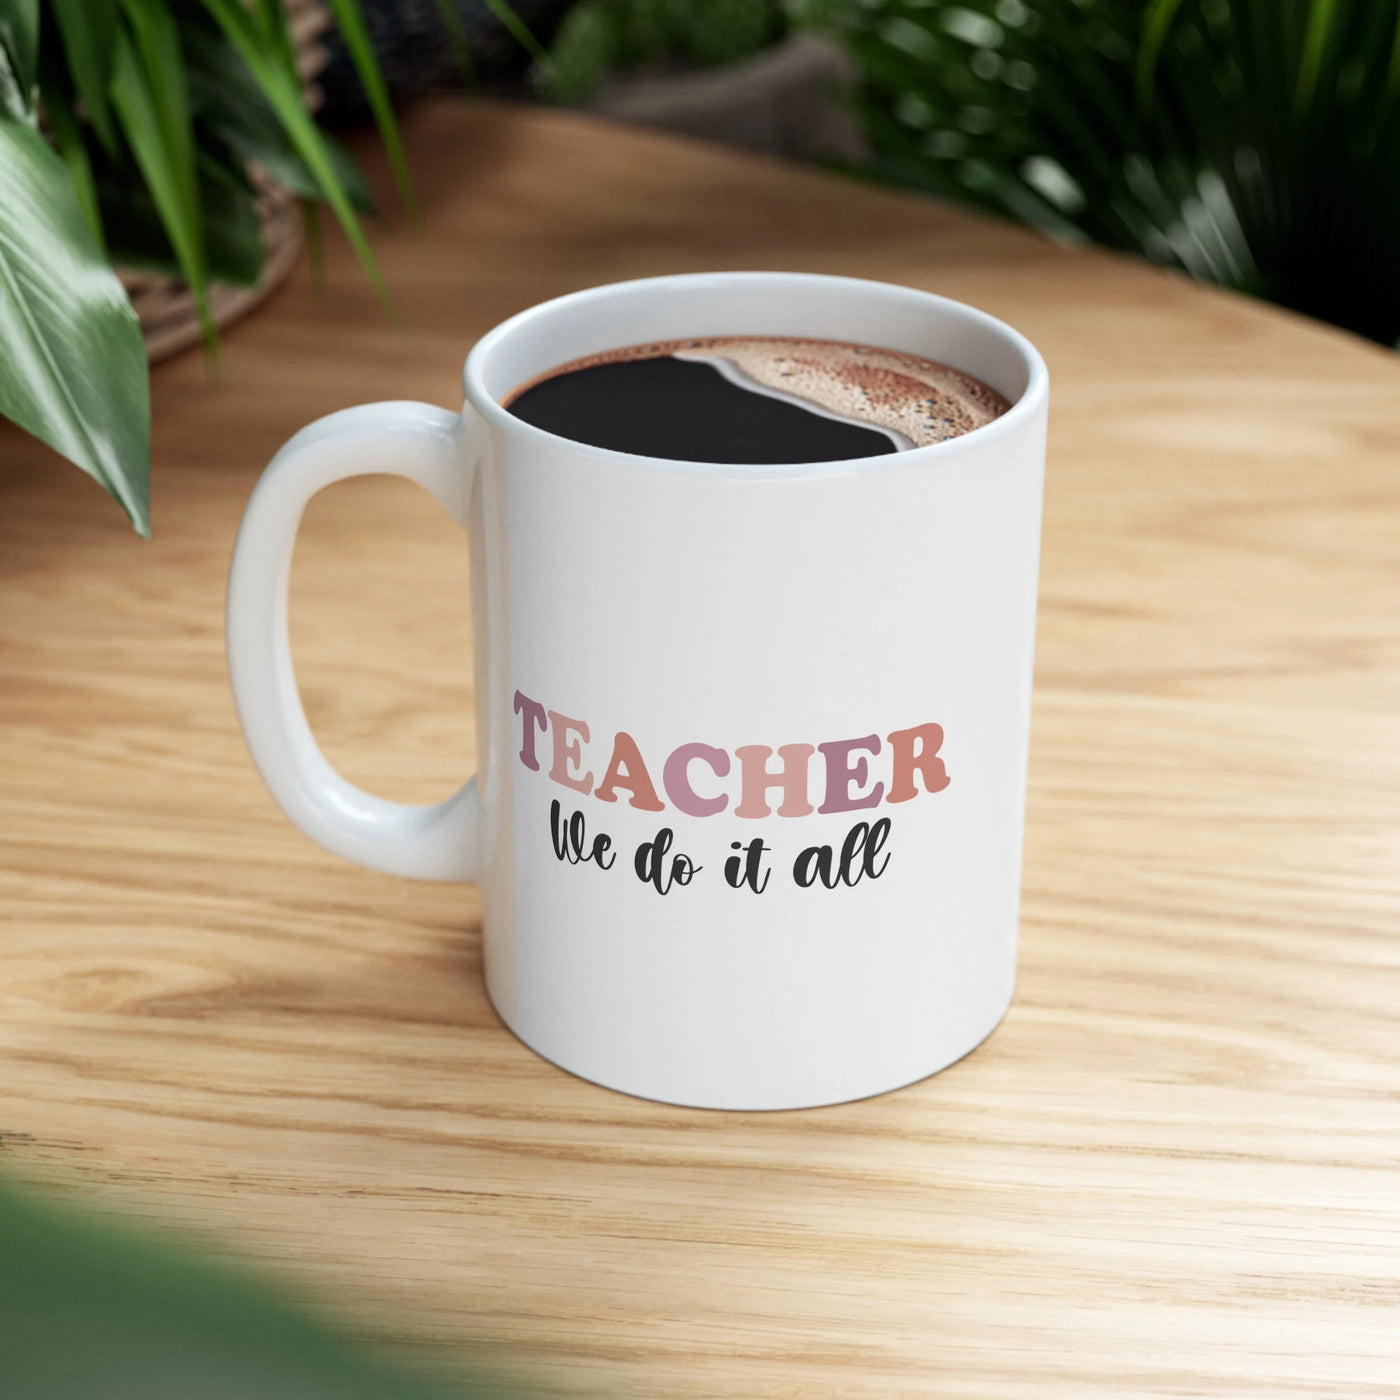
(230,105)
(68,139)
(74,368)
(351,24)
(283,93)
(157,45)
(277,23)
(1156,23)
(89,32)
(19,38)
(92,1310)
(518,30)
(150,99)
(457,37)
(585,47)
(136,235)
(271,151)
(1316,38)
(232,232)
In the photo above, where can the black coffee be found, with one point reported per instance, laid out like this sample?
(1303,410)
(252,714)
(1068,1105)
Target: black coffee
(760,400)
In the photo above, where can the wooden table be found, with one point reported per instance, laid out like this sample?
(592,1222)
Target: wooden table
(1171,1172)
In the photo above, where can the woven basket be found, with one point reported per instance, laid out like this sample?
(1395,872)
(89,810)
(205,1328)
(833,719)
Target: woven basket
(163,304)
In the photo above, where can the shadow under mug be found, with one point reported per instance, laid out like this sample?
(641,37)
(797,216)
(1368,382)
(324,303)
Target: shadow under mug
(748,811)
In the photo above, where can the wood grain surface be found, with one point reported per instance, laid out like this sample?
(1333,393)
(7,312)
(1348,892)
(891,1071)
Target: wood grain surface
(1174,1170)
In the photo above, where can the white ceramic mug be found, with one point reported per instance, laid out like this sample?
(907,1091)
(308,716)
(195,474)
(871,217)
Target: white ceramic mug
(748,811)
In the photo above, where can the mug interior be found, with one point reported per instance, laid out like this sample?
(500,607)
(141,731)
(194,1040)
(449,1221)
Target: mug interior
(754,303)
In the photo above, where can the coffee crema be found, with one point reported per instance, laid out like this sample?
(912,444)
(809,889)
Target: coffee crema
(756,400)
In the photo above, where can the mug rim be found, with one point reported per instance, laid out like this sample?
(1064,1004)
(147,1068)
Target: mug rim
(1027,406)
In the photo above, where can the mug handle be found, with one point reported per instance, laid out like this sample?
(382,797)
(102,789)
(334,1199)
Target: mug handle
(414,440)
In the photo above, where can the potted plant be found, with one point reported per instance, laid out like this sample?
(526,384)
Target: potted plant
(170,136)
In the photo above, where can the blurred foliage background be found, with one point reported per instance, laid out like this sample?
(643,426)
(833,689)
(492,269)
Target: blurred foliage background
(435,45)
(1251,143)
(601,37)
(1254,143)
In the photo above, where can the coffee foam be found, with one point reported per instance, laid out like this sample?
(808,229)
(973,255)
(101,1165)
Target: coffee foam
(916,401)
